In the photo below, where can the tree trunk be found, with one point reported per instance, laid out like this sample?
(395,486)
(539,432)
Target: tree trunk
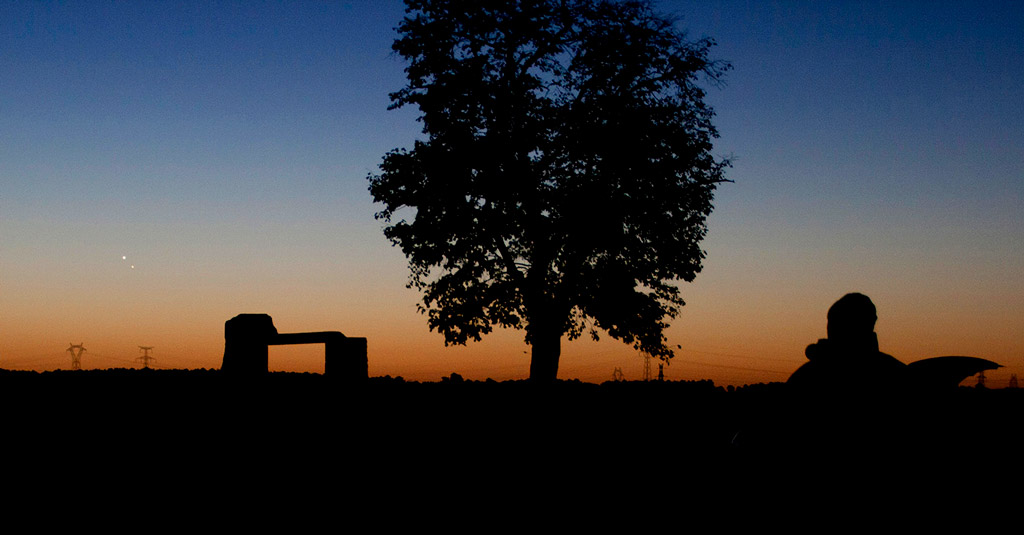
(544,328)
(546,348)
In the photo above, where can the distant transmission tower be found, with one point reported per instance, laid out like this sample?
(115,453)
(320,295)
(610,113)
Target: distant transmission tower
(617,375)
(1013,381)
(76,355)
(145,358)
(647,365)
(981,380)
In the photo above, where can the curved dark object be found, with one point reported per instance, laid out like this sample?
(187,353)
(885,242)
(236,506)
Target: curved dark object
(948,372)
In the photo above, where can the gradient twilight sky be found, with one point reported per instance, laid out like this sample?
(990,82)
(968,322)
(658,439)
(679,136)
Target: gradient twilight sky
(223,148)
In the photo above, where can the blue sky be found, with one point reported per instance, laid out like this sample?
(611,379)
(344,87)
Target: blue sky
(224,146)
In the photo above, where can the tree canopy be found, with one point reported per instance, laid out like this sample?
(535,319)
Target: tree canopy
(565,176)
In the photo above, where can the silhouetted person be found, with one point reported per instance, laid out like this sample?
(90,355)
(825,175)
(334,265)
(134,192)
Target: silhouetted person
(849,358)
(854,402)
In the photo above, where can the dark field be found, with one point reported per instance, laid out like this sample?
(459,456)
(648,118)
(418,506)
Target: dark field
(161,429)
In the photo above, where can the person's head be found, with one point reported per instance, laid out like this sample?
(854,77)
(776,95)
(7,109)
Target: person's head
(852,317)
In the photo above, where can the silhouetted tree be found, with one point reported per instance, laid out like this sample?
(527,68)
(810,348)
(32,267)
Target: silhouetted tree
(565,176)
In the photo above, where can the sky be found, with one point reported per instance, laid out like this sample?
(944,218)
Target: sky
(165,166)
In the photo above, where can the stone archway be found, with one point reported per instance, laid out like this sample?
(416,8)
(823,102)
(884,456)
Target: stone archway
(247,337)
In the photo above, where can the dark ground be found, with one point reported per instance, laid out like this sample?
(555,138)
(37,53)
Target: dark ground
(284,433)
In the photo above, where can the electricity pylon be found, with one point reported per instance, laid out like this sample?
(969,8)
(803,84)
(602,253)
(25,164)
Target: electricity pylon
(145,358)
(76,355)
(647,365)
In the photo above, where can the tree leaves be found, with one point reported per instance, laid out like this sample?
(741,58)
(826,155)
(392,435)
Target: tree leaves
(567,174)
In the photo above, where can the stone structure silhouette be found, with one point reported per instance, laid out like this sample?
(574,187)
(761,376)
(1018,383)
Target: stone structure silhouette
(247,338)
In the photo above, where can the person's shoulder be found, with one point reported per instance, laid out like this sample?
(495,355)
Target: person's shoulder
(819,368)
(818,350)
(803,374)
